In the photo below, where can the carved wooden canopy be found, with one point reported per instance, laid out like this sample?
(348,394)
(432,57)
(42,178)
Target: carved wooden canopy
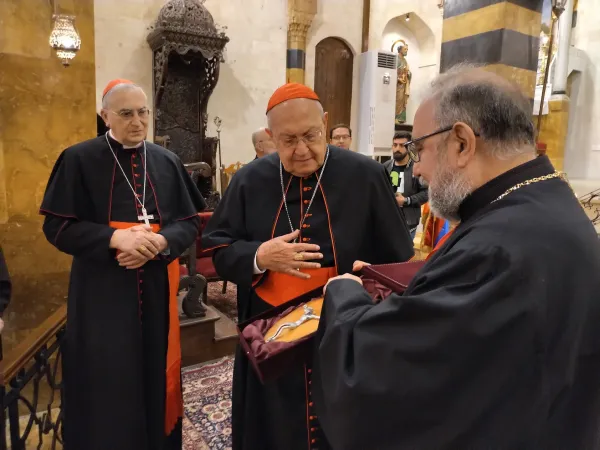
(183,26)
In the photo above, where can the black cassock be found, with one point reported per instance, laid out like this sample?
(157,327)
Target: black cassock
(117,319)
(494,346)
(353,217)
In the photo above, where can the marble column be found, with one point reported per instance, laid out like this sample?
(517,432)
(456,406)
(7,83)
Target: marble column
(502,35)
(561,69)
(300,17)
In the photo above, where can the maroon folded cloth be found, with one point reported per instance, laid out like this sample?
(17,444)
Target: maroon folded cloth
(255,332)
(376,290)
(393,277)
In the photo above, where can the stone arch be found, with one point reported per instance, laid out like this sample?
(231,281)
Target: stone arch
(423,54)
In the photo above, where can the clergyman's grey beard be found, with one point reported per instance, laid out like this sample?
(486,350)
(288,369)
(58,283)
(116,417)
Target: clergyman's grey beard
(447,191)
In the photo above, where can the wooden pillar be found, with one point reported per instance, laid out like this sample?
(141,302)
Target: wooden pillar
(502,35)
(366,22)
(300,17)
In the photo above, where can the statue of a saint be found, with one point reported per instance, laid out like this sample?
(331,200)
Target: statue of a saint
(404,77)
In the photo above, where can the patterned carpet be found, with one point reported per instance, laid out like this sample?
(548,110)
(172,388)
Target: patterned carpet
(226,303)
(207,406)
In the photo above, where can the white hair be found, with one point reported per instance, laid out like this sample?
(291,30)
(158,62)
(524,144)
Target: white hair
(118,88)
(255,135)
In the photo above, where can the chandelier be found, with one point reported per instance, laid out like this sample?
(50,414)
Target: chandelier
(64,38)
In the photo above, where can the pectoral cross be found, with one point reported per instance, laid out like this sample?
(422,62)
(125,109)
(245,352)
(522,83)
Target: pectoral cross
(145,217)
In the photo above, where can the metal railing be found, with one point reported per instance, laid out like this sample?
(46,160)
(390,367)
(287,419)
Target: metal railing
(591,202)
(31,388)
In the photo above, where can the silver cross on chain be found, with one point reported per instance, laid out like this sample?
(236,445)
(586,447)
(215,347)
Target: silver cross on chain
(145,217)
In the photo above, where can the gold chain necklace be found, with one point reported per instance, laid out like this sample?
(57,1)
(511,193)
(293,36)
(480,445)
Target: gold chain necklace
(531,181)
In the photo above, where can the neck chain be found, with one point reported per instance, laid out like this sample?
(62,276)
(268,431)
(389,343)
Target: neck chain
(142,203)
(531,181)
(311,199)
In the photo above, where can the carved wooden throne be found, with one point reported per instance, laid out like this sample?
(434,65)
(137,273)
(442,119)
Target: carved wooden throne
(187,50)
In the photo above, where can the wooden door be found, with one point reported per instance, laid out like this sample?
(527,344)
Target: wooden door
(333,79)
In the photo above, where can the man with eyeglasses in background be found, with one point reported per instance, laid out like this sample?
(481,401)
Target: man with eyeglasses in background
(320,209)
(125,209)
(410,193)
(341,136)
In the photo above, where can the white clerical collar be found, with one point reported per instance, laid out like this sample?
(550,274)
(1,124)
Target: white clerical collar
(110,133)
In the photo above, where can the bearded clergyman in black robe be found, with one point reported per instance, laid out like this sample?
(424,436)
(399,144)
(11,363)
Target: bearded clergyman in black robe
(495,345)
(126,209)
(287,223)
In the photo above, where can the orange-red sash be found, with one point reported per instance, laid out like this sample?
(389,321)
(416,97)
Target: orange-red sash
(174,397)
(278,288)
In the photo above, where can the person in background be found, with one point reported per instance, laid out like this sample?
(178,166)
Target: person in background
(263,143)
(341,136)
(411,194)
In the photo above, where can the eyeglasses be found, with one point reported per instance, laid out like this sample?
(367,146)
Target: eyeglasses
(414,148)
(129,114)
(309,138)
(344,137)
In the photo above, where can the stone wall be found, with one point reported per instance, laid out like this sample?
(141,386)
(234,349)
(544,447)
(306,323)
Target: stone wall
(44,108)
(255,58)
(582,155)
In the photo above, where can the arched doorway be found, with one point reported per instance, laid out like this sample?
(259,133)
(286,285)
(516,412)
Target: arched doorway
(333,78)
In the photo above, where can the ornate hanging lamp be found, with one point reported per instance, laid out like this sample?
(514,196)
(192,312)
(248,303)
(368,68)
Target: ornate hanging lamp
(64,38)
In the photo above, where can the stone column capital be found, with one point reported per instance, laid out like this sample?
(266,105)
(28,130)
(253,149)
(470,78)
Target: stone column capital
(297,31)
(301,12)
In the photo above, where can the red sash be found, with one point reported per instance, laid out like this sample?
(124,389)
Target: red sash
(278,288)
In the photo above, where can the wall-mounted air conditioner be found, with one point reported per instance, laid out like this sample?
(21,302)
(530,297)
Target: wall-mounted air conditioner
(377,101)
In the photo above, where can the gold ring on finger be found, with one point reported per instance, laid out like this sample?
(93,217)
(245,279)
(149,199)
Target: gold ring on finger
(142,248)
(298,257)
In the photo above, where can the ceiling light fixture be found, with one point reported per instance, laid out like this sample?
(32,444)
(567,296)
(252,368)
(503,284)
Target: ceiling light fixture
(64,37)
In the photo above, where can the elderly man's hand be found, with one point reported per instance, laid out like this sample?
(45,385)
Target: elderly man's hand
(281,255)
(346,276)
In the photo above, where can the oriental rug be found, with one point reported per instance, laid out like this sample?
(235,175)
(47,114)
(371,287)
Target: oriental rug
(226,303)
(207,405)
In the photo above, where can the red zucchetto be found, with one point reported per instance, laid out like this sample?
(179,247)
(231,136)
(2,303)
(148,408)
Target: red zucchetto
(290,91)
(111,84)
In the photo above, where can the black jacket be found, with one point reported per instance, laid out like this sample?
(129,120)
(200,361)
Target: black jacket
(414,190)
